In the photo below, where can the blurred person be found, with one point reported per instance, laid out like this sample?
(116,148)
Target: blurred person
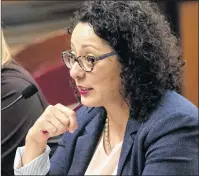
(127,66)
(17,119)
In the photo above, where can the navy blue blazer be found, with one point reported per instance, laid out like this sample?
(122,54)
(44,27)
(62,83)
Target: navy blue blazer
(166,144)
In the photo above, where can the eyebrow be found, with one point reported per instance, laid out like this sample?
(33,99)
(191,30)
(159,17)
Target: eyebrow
(85,45)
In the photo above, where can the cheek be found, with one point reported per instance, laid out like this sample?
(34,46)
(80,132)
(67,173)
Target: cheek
(113,82)
(108,81)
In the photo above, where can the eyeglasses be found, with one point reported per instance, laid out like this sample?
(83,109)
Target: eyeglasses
(85,62)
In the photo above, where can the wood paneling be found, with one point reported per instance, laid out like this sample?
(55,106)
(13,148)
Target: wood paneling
(189,37)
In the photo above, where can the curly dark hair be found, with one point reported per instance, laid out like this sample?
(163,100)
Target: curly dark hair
(148,50)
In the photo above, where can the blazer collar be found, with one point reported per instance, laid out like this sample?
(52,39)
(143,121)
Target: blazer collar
(133,126)
(97,122)
(130,133)
(87,143)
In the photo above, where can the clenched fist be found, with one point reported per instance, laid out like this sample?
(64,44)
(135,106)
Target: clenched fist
(54,121)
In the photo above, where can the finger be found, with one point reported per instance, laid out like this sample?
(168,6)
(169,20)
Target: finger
(73,124)
(50,128)
(61,117)
(71,115)
(60,128)
(47,111)
(56,118)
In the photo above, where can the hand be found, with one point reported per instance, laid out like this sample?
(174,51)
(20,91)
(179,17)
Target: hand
(55,120)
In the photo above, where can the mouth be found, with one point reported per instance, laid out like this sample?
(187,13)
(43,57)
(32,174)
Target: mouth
(84,90)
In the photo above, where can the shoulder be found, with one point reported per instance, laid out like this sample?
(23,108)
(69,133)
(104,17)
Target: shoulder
(169,139)
(12,86)
(11,70)
(174,114)
(173,102)
(14,79)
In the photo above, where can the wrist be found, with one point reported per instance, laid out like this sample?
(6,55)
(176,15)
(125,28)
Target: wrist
(32,150)
(30,143)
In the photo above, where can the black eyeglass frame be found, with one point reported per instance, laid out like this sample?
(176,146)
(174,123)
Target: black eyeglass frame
(97,58)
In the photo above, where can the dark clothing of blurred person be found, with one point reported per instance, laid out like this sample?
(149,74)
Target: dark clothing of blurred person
(19,118)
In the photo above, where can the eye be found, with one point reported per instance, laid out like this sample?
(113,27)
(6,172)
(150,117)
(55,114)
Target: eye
(90,59)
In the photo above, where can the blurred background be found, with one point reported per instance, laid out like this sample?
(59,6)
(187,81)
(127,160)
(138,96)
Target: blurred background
(35,32)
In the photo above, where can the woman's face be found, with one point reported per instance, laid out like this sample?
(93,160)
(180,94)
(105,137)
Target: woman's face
(101,86)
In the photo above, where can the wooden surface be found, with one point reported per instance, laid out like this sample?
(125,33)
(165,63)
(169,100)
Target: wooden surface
(189,36)
(21,36)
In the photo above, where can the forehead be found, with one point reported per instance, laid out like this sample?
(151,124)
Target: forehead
(83,33)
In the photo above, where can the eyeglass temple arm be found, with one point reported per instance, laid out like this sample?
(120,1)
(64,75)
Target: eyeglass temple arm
(107,55)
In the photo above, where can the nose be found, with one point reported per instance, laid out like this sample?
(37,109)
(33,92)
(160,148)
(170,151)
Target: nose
(76,72)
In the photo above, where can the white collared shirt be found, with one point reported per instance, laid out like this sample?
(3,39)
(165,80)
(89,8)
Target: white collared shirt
(103,164)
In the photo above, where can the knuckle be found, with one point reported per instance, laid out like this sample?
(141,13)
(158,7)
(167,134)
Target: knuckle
(47,117)
(58,105)
(72,114)
(64,128)
(39,122)
(53,129)
(65,121)
(48,109)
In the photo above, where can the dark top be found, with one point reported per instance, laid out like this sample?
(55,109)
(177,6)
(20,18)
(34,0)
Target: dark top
(166,144)
(17,119)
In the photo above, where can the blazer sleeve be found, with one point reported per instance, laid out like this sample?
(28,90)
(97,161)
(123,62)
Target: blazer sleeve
(172,146)
(63,156)
(58,161)
(20,117)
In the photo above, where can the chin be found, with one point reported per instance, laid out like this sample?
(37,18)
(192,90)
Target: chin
(90,102)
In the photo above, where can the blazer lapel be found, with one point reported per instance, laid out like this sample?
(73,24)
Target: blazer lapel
(131,130)
(86,145)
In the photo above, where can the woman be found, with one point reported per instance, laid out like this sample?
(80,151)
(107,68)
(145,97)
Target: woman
(126,64)
(18,118)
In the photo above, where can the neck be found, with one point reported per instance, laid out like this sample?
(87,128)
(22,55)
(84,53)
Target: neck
(118,115)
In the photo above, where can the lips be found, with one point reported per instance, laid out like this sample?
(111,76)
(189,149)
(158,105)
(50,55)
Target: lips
(84,90)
